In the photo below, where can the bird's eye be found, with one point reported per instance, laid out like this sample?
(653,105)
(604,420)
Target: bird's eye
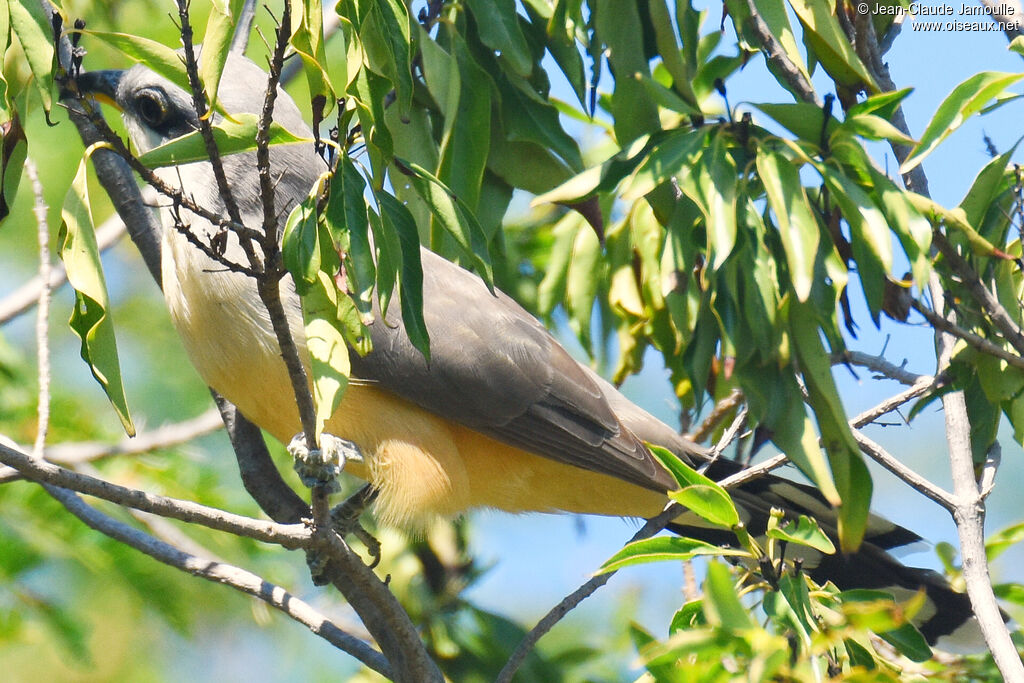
(151,106)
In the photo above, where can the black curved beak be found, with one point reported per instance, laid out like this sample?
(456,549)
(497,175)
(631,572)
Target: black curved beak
(101,84)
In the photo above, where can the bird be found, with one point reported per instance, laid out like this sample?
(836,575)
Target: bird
(501,416)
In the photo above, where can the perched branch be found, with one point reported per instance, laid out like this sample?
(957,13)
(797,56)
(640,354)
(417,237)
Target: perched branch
(754,471)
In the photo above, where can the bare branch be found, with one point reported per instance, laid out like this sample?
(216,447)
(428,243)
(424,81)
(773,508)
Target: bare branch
(1009,13)
(754,471)
(43,310)
(718,413)
(218,572)
(653,526)
(923,386)
(161,437)
(289,536)
(27,295)
(945,325)
(915,480)
(777,57)
(1002,319)
(879,365)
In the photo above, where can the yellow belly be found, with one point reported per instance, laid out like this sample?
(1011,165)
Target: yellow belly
(422,465)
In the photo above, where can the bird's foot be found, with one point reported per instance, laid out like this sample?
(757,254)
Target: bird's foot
(345,518)
(321,466)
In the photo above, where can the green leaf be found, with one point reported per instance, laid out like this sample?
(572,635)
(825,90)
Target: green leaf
(877,611)
(672,57)
(665,548)
(619,26)
(31,25)
(804,531)
(701,495)
(967,99)
(156,56)
(998,542)
(883,104)
(716,182)
(498,24)
(774,14)
(1016,45)
(216,43)
(1011,592)
(823,32)
(721,602)
(386,38)
(990,182)
(449,211)
(802,119)
(398,219)
(798,228)
(581,286)
(232,137)
(305,243)
(852,480)
(13,152)
(90,319)
(346,218)
(873,127)
(307,40)
(332,322)
(913,230)
(674,157)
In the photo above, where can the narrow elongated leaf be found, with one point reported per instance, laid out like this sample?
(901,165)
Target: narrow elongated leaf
(232,137)
(216,43)
(499,29)
(716,180)
(13,152)
(722,605)
(449,211)
(325,342)
(305,243)
(308,42)
(665,548)
(397,218)
(157,56)
(823,32)
(672,57)
(798,228)
(998,542)
(90,319)
(853,482)
(989,183)
(31,25)
(346,217)
(673,157)
(967,99)
(386,38)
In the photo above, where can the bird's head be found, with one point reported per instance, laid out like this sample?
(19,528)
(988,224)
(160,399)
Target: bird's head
(156,110)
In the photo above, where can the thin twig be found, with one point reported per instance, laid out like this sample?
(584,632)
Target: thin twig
(653,526)
(923,386)
(945,325)
(915,480)
(878,365)
(719,413)
(754,471)
(43,310)
(166,436)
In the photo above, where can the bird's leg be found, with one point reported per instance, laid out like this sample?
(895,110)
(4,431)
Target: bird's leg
(321,466)
(345,517)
